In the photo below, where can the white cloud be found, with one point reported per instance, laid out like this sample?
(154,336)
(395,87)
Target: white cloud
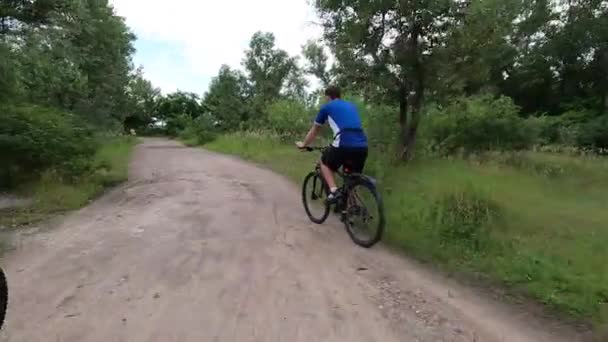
(209,33)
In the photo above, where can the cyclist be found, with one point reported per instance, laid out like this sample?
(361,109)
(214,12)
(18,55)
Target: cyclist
(350,142)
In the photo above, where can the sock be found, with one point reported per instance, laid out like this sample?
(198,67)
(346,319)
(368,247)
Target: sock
(333,190)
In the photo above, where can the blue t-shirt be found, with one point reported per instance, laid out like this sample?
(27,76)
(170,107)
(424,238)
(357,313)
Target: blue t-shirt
(343,117)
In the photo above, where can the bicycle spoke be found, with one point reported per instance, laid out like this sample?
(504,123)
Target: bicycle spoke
(314,201)
(362,214)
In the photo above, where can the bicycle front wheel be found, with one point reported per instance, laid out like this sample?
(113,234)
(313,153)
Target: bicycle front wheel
(314,193)
(364,216)
(3,297)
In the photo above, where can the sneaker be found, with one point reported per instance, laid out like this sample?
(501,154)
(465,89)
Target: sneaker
(334,197)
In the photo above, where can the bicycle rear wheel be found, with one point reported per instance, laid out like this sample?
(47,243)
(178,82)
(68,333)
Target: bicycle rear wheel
(364,214)
(314,193)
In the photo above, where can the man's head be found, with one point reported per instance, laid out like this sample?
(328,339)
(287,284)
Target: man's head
(332,93)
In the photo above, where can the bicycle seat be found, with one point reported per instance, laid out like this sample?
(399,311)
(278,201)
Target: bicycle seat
(348,170)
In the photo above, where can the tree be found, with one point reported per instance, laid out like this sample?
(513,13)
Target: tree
(295,84)
(177,110)
(316,62)
(72,55)
(225,100)
(180,102)
(559,51)
(143,98)
(105,46)
(384,48)
(476,54)
(9,80)
(267,68)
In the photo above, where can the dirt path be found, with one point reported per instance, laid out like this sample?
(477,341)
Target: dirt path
(203,247)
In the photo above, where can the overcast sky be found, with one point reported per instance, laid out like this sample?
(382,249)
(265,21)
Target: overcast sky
(183,43)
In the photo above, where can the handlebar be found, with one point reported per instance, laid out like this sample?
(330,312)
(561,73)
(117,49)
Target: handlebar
(313,148)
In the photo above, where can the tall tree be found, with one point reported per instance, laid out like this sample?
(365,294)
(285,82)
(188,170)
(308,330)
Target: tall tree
(385,48)
(225,99)
(267,68)
(296,84)
(105,45)
(476,54)
(316,62)
(73,55)
(143,98)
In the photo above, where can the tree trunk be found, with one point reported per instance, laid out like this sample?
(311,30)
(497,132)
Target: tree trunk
(604,81)
(403,119)
(410,130)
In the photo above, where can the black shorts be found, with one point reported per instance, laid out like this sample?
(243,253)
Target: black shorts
(352,158)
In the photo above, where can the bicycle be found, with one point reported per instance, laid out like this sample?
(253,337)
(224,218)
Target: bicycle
(351,206)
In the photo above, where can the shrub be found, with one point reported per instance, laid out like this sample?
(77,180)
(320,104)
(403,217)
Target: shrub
(200,130)
(381,125)
(594,133)
(177,123)
(554,130)
(478,123)
(35,138)
(288,119)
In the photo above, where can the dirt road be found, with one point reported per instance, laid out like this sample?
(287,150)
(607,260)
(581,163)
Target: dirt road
(203,247)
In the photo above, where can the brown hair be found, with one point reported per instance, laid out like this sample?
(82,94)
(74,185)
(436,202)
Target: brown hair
(333,92)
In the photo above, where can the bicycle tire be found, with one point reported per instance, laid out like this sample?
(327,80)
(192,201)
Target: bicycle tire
(314,176)
(3,297)
(366,243)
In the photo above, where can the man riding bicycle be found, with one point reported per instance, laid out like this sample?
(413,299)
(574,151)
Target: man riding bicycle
(350,143)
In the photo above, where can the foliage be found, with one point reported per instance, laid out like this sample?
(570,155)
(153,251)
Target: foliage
(479,123)
(289,119)
(50,192)
(316,62)
(200,131)
(226,98)
(177,110)
(268,69)
(143,98)
(65,72)
(9,78)
(594,133)
(35,138)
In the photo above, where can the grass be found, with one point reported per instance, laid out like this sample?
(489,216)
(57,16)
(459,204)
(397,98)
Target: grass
(535,222)
(50,195)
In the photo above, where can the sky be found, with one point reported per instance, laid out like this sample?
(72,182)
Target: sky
(182,43)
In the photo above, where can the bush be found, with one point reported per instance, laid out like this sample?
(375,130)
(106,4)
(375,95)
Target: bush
(34,138)
(594,133)
(381,125)
(478,123)
(288,119)
(554,130)
(200,130)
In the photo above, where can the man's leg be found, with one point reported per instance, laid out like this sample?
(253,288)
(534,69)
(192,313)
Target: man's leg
(330,161)
(328,174)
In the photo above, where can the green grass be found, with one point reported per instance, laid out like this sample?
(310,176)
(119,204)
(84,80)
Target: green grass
(535,222)
(51,195)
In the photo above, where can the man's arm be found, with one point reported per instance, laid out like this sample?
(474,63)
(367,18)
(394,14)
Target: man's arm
(315,129)
(312,134)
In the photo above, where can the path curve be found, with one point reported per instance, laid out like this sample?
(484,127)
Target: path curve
(203,247)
